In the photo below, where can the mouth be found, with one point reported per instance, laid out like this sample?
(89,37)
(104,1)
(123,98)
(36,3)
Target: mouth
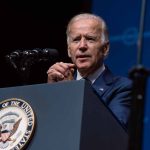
(82,56)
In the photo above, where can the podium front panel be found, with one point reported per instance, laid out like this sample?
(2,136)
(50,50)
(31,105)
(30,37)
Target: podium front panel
(69,116)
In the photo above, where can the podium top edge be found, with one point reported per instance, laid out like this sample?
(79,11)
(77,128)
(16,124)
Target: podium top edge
(48,84)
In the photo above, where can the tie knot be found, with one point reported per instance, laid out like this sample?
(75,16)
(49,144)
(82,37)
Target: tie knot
(88,80)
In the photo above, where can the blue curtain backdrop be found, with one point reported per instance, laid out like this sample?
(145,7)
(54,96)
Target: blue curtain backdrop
(123,19)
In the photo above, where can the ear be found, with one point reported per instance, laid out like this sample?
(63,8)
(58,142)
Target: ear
(106,49)
(69,52)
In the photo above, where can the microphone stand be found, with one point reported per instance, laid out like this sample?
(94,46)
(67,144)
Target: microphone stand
(22,64)
(139,75)
(25,67)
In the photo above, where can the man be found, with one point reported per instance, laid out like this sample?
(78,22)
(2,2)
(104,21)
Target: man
(88,46)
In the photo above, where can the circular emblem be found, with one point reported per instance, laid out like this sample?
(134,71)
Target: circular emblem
(17,121)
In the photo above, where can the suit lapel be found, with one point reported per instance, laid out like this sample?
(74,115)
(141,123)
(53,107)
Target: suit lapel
(103,82)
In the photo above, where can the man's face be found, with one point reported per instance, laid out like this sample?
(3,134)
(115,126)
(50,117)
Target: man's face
(85,47)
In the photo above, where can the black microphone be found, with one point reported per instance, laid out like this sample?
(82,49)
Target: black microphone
(49,53)
(14,57)
(32,56)
(46,53)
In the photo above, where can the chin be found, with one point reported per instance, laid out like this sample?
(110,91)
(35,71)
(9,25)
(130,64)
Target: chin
(83,67)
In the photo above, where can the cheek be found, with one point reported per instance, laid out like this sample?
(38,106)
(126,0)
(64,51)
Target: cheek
(97,56)
(72,53)
(72,56)
(71,50)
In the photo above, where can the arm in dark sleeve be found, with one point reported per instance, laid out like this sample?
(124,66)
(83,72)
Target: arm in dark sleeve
(120,102)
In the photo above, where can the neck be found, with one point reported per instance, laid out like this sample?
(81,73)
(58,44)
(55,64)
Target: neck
(86,72)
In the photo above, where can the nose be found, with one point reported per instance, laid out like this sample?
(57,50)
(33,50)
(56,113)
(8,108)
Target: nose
(83,44)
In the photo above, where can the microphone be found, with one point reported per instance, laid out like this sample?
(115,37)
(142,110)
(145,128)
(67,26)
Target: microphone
(41,54)
(14,57)
(50,52)
(32,56)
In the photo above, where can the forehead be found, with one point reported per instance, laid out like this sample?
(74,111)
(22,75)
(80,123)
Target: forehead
(85,25)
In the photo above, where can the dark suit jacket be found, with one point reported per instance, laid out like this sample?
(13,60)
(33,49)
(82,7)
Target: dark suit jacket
(115,92)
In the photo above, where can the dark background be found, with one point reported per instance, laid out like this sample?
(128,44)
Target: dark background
(25,25)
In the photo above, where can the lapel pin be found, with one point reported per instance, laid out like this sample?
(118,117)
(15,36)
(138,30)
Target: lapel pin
(101,89)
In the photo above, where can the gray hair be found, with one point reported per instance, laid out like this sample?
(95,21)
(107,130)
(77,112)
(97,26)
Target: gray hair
(103,32)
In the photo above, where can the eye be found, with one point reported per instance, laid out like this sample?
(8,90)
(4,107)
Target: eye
(76,40)
(91,38)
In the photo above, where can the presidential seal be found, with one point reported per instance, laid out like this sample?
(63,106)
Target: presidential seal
(17,122)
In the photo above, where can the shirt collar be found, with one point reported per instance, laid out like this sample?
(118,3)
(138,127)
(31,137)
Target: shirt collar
(93,76)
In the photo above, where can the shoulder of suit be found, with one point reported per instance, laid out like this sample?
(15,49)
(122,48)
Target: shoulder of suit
(122,81)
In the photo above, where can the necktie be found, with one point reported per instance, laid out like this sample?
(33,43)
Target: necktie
(89,81)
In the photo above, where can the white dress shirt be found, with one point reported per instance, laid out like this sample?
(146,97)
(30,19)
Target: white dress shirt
(94,76)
